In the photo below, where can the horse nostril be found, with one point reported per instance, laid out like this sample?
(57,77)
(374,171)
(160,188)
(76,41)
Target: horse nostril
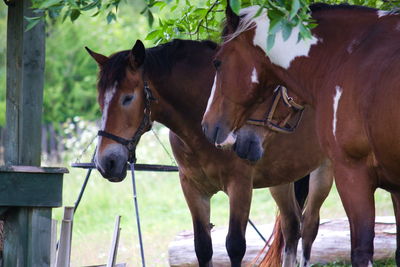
(216,134)
(204,128)
(218,145)
(110,165)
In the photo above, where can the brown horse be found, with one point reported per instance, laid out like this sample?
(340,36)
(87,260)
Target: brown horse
(348,73)
(133,83)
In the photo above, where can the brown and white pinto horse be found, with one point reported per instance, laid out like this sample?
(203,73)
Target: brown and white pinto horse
(179,102)
(349,74)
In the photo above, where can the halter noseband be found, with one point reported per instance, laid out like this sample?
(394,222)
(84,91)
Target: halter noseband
(130,144)
(280,93)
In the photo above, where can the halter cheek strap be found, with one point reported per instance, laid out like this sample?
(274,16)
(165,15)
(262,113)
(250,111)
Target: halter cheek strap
(283,127)
(131,144)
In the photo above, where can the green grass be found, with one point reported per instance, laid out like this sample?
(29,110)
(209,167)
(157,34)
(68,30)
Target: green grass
(163,211)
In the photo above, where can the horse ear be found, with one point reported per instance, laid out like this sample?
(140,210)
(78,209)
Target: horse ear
(100,59)
(137,54)
(232,20)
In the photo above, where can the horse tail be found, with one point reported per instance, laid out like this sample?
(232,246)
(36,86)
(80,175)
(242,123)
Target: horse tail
(273,255)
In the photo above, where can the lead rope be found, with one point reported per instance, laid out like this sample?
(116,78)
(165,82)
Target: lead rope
(173,162)
(137,214)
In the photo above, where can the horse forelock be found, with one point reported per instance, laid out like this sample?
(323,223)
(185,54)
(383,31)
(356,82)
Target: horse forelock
(247,22)
(112,72)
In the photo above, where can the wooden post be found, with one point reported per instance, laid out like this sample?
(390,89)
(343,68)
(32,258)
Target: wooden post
(64,248)
(25,78)
(53,244)
(27,230)
(112,255)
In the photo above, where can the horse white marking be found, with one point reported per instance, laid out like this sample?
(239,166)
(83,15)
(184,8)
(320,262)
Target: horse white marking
(304,262)
(289,259)
(254,76)
(211,98)
(283,52)
(336,100)
(229,141)
(369,264)
(108,96)
(351,46)
(382,13)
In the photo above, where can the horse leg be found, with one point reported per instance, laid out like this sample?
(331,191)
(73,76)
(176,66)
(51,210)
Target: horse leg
(199,205)
(396,206)
(356,188)
(321,181)
(240,194)
(290,212)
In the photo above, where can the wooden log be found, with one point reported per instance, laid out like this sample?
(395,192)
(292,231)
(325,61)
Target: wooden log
(332,243)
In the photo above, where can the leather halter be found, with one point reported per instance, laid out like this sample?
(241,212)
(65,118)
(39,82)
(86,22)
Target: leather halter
(130,144)
(280,93)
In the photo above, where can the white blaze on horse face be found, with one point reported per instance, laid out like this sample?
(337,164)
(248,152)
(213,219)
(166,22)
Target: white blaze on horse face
(229,141)
(254,76)
(108,96)
(336,99)
(283,52)
(211,98)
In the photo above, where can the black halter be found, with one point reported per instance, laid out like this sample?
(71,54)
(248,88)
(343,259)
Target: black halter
(130,144)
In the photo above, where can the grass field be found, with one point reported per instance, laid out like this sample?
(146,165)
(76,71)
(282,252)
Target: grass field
(163,211)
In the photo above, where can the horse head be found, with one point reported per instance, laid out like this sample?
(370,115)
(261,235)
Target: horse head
(245,78)
(124,98)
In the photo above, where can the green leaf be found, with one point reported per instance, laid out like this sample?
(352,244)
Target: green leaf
(154,34)
(75,13)
(270,41)
(295,6)
(235,5)
(144,10)
(150,18)
(110,17)
(31,24)
(49,3)
(275,25)
(305,32)
(90,6)
(286,31)
(259,11)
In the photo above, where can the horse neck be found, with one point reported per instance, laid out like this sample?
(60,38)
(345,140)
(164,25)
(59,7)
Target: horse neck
(306,76)
(182,94)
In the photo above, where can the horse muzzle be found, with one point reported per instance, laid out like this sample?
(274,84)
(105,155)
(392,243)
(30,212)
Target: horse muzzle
(112,164)
(248,146)
(219,135)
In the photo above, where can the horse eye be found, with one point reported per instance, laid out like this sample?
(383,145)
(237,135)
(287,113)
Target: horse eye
(217,64)
(127,100)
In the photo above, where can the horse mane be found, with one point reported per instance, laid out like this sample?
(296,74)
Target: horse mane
(158,61)
(344,6)
(248,19)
